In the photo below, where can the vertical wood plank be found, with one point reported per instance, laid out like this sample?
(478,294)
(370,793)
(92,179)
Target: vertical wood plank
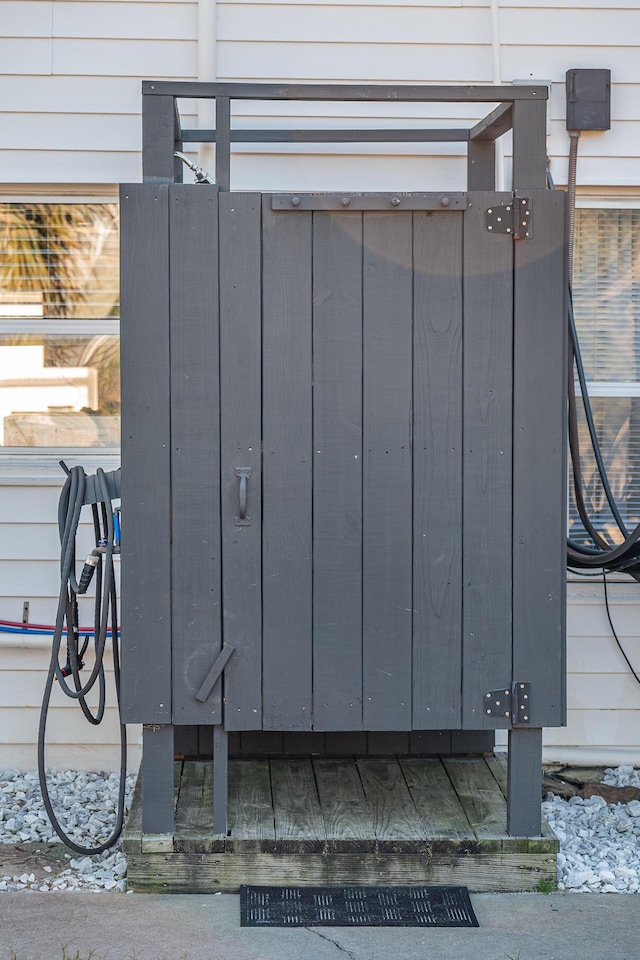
(524,782)
(287,465)
(337,477)
(437,471)
(146,446)
(195,449)
(223,143)
(539,461)
(386,480)
(481,165)
(160,139)
(240,432)
(529,144)
(487,499)
(158,796)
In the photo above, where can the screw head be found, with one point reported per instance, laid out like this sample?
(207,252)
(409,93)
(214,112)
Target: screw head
(395,202)
(445,202)
(295,201)
(345,201)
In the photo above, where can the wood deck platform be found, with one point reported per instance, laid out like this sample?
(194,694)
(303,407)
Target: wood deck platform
(355,821)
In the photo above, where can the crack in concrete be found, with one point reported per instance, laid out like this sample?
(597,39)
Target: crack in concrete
(322,936)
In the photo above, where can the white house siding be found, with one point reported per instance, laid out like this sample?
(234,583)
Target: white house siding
(70,75)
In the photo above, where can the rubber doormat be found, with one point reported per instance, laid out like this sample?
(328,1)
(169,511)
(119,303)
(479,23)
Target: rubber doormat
(356,907)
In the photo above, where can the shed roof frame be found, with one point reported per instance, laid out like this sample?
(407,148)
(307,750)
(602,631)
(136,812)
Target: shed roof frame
(522,108)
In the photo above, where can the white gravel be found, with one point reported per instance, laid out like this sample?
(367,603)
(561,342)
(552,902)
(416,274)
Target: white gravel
(86,805)
(599,842)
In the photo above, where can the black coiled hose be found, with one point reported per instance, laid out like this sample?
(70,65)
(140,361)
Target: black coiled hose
(70,505)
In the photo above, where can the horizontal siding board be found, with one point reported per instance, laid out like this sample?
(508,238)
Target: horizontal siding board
(79,131)
(597,727)
(16,53)
(26,18)
(361,63)
(101,95)
(39,541)
(126,21)
(20,725)
(569,26)
(601,655)
(159,59)
(609,691)
(310,22)
(24,689)
(42,609)
(32,661)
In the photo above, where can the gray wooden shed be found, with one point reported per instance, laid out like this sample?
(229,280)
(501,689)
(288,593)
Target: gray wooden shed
(343,446)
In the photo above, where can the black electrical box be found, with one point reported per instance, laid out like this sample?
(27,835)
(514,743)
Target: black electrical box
(588,99)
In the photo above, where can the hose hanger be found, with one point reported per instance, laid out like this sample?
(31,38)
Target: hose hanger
(97,491)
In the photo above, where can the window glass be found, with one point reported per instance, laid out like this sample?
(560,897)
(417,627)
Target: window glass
(606,296)
(59,304)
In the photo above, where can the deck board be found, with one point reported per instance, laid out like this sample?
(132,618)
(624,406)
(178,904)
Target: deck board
(250,801)
(296,803)
(480,796)
(352,821)
(392,809)
(344,807)
(435,799)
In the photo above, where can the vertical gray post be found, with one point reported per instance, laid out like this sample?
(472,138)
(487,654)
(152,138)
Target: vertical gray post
(524,780)
(157,779)
(220,779)
(481,165)
(223,143)
(529,144)
(161,137)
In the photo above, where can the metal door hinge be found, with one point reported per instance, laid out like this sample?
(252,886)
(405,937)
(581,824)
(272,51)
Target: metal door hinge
(512,704)
(515,218)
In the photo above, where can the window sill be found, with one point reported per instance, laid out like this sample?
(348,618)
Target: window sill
(41,467)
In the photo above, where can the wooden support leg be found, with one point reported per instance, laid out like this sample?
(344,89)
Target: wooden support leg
(157,779)
(220,779)
(524,782)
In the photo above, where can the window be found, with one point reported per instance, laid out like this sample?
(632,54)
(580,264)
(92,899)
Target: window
(59,309)
(606,296)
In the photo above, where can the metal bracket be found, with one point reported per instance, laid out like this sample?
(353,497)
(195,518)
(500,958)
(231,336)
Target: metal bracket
(515,219)
(369,201)
(510,704)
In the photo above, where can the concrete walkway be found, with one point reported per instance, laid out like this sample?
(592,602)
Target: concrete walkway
(558,926)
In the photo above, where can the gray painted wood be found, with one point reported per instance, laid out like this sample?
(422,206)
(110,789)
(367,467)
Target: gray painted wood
(195,450)
(160,139)
(387,744)
(539,461)
(223,143)
(220,779)
(387,278)
(287,465)
(337,477)
(395,93)
(481,165)
(472,741)
(240,442)
(437,470)
(524,782)
(529,145)
(146,541)
(487,439)
(158,803)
